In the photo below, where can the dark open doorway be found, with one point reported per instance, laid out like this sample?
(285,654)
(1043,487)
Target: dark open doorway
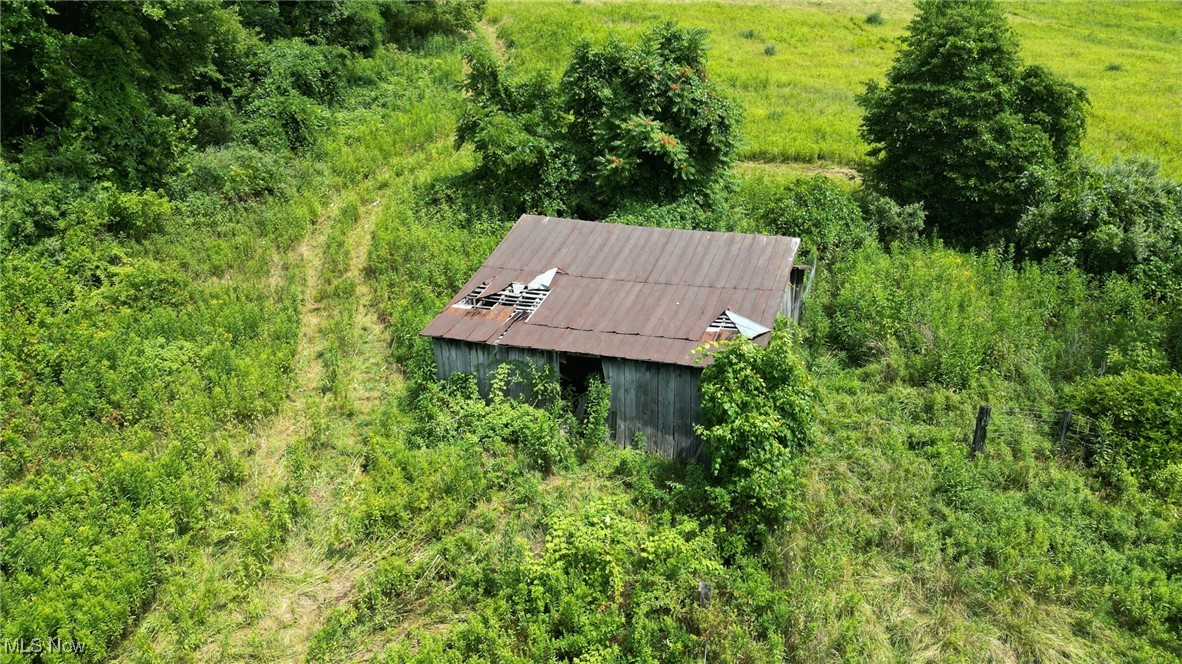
(575,372)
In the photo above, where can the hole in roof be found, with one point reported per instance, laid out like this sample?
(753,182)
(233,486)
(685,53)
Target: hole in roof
(723,322)
(524,299)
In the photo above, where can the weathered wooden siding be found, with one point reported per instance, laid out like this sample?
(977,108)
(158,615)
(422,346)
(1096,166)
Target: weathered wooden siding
(798,288)
(483,359)
(659,400)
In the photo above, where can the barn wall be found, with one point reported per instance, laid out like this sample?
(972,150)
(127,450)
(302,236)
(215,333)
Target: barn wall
(483,359)
(798,288)
(659,400)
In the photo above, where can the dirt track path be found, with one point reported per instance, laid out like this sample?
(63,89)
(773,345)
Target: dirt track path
(313,574)
(212,611)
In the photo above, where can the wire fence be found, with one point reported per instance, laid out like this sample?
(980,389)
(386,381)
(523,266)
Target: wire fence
(1071,431)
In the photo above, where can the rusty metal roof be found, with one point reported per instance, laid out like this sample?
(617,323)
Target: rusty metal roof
(622,291)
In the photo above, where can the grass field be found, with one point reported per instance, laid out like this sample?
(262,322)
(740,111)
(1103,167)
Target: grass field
(800,101)
(338,504)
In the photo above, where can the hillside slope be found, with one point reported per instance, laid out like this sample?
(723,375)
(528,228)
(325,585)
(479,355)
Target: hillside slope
(797,67)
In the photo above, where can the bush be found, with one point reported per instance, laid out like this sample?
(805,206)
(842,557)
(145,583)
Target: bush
(1140,416)
(816,209)
(757,420)
(235,174)
(30,208)
(894,223)
(1122,218)
(945,317)
(133,215)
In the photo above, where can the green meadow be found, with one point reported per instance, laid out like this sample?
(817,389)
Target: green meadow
(799,100)
(224,441)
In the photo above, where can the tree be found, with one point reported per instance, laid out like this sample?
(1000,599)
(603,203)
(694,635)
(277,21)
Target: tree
(961,127)
(626,126)
(97,89)
(758,412)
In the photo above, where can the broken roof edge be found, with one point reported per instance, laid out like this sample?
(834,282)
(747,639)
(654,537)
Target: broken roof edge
(747,327)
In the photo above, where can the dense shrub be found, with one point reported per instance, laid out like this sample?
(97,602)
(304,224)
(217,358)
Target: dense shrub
(234,173)
(31,208)
(757,421)
(1141,418)
(816,209)
(945,317)
(1122,218)
(894,223)
(962,128)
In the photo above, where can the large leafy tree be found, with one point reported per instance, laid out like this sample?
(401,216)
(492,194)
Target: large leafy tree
(962,127)
(626,126)
(111,88)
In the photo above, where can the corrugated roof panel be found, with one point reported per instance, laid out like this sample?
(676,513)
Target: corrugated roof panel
(680,325)
(580,243)
(522,335)
(574,341)
(603,296)
(441,324)
(629,321)
(610,345)
(676,266)
(648,247)
(618,299)
(625,252)
(712,261)
(739,268)
(469,327)
(711,306)
(670,252)
(664,350)
(594,263)
(754,278)
(699,274)
(662,299)
(507,253)
(619,280)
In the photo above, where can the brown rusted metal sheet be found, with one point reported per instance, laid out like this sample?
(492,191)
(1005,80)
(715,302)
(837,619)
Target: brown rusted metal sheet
(630,292)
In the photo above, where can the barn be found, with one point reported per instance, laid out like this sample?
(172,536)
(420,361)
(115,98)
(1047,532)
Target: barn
(630,303)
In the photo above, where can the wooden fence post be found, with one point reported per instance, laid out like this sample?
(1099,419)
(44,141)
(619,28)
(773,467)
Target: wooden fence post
(1064,427)
(978,445)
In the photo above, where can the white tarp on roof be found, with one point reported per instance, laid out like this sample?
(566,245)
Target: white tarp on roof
(747,327)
